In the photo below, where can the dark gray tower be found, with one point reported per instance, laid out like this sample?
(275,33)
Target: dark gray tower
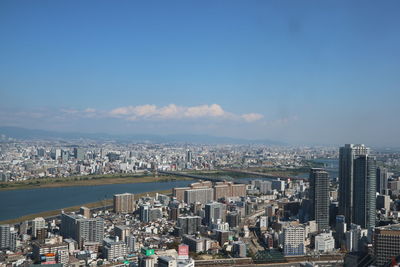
(189,156)
(381,180)
(347,154)
(319,197)
(365,193)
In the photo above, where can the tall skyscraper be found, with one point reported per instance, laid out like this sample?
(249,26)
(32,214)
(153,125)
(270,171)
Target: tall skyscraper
(365,191)
(381,180)
(347,155)
(319,197)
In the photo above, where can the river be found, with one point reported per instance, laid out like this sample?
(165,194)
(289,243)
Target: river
(17,203)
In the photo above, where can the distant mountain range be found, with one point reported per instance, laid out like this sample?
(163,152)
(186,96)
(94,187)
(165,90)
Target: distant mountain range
(35,134)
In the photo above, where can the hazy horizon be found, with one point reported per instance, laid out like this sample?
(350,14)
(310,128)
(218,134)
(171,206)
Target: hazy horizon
(295,72)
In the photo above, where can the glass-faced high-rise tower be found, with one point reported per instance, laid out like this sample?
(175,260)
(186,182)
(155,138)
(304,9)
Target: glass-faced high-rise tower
(355,184)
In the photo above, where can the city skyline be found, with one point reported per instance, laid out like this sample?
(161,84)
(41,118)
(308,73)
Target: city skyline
(298,73)
(198,133)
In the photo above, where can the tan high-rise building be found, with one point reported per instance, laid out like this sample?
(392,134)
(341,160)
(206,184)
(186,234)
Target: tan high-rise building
(221,191)
(201,184)
(124,203)
(179,192)
(229,189)
(238,190)
(386,243)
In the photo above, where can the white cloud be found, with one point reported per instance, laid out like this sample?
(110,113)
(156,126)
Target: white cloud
(250,117)
(213,110)
(173,111)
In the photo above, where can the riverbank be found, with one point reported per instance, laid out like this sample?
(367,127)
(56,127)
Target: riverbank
(88,180)
(91,205)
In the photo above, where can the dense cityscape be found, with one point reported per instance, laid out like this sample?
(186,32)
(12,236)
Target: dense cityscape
(188,133)
(304,206)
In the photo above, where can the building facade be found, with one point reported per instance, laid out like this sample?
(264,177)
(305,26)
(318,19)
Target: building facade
(124,203)
(347,155)
(319,197)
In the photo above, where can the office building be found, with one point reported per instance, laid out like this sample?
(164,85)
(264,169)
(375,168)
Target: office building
(37,223)
(355,238)
(214,211)
(173,210)
(233,219)
(189,225)
(383,202)
(222,236)
(381,180)
(124,203)
(319,197)
(364,196)
(189,156)
(82,229)
(324,242)
(386,243)
(294,241)
(341,228)
(347,155)
(144,213)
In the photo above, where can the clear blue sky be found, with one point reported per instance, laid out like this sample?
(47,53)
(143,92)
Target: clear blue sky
(295,71)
